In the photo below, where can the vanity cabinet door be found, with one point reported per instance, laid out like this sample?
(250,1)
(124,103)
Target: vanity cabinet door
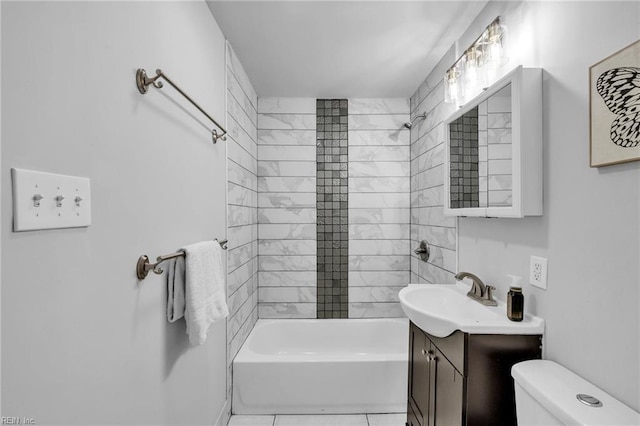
(465,379)
(419,374)
(435,386)
(448,392)
(412,420)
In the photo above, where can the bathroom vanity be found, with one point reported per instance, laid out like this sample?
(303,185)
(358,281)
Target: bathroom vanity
(465,379)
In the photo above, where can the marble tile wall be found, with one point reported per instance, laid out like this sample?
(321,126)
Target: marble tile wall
(378,213)
(379,206)
(287,208)
(242,208)
(483,166)
(427,178)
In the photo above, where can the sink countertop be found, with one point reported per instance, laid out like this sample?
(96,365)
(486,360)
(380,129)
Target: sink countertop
(441,309)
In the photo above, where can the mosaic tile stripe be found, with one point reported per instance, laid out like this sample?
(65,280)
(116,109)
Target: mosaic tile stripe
(464,182)
(332,184)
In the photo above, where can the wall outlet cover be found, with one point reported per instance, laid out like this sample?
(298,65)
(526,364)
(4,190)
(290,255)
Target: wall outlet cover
(538,272)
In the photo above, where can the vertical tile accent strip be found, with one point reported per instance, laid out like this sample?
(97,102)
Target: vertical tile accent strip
(332,174)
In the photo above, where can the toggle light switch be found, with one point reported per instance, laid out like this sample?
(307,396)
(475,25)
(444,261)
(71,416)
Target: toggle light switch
(38,200)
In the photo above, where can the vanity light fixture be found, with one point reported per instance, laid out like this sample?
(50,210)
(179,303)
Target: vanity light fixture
(477,68)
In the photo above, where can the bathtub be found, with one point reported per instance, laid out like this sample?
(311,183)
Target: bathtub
(309,366)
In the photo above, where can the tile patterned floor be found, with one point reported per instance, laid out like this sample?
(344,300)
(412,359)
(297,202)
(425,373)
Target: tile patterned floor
(396,419)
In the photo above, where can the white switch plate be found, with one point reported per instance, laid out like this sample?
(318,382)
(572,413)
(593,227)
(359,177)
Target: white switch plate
(74,210)
(538,272)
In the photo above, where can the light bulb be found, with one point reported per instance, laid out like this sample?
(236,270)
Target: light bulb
(495,53)
(471,67)
(495,32)
(453,91)
(451,84)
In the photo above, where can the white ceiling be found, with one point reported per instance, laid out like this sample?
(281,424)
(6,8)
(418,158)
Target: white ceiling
(342,49)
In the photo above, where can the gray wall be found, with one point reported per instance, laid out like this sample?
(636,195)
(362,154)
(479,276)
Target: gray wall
(83,342)
(591,224)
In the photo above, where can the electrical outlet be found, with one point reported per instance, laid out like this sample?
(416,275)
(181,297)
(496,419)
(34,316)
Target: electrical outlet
(538,272)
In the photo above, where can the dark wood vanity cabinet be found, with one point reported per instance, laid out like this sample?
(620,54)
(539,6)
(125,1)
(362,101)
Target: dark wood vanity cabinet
(464,379)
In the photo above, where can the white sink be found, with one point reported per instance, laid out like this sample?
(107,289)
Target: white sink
(441,309)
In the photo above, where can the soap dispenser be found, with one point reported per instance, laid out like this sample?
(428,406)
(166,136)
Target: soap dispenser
(515,299)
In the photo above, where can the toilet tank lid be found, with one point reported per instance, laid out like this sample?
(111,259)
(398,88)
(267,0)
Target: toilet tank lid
(555,388)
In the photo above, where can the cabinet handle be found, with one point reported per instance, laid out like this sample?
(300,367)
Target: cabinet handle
(423,352)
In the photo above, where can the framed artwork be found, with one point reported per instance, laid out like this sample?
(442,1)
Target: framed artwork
(614,103)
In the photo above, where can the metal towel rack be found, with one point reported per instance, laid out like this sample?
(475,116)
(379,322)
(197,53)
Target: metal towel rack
(143,266)
(143,82)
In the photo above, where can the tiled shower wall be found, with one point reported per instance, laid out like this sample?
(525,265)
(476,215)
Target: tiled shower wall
(378,199)
(242,203)
(378,206)
(287,207)
(427,179)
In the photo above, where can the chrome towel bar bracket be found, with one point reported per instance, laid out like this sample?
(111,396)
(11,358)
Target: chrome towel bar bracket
(143,82)
(144,266)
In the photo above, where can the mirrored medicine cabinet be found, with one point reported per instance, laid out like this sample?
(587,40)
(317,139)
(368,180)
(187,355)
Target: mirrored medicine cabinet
(493,153)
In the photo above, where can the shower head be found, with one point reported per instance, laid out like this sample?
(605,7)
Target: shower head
(413,120)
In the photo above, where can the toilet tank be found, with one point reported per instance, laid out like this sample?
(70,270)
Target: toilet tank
(546,395)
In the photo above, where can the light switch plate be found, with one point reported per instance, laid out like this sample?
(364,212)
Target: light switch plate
(37,202)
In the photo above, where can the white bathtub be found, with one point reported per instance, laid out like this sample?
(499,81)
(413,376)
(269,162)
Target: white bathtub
(308,366)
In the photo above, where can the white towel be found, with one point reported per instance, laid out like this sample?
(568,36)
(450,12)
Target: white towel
(205,300)
(175,289)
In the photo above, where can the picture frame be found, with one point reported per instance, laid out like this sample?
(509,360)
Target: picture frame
(614,108)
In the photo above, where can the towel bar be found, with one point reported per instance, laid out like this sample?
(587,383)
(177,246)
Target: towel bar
(143,266)
(143,82)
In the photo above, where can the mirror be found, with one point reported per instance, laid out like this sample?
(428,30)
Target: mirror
(480,154)
(493,153)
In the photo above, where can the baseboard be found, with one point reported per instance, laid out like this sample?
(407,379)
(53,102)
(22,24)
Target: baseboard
(225,414)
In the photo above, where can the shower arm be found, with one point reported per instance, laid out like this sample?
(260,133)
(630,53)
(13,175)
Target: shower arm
(421,116)
(409,124)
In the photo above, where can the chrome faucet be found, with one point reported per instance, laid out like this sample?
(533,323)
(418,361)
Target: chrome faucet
(479,291)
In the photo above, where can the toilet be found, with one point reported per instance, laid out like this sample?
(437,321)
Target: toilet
(546,395)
